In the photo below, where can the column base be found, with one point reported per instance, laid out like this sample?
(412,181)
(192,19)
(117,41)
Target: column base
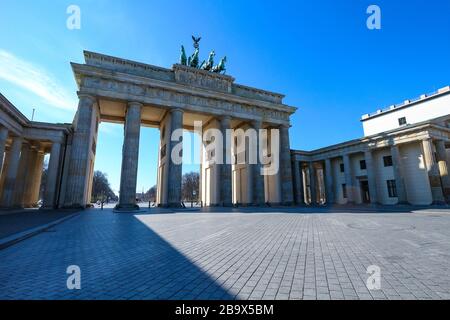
(171,205)
(438,203)
(126,207)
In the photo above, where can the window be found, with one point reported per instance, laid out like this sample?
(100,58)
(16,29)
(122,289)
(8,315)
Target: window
(344,191)
(392,188)
(362,165)
(387,160)
(402,121)
(342,167)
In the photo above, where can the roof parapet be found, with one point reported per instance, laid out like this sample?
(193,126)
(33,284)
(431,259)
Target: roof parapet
(406,103)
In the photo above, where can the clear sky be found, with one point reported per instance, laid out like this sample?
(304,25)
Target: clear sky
(320,54)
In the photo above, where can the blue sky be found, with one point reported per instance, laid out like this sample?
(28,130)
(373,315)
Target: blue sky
(320,54)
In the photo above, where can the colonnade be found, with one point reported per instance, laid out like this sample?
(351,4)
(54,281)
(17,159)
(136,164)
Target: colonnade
(306,181)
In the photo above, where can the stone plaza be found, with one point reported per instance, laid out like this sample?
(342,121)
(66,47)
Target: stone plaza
(273,254)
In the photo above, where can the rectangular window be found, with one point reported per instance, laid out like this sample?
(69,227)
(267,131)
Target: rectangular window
(387,160)
(392,188)
(402,121)
(344,191)
(362,165)
(342,167)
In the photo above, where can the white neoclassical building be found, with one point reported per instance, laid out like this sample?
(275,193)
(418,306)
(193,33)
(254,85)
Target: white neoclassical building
(403,157)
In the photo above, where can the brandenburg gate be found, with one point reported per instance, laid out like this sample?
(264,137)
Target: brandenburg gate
(136,94)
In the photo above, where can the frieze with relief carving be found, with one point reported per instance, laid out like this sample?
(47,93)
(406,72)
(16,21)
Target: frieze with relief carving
(170,97)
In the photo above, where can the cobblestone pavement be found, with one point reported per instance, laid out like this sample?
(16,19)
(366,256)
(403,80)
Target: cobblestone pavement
(234,256)
(22,220)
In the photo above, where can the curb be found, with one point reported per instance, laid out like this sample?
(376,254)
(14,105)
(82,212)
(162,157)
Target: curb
(20,236)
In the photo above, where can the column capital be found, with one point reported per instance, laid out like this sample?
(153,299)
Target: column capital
(256,124)
(285,125)
(176,110)
(134,104)
(82,95)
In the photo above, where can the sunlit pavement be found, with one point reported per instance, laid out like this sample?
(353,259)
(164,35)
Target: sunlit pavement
(271,255)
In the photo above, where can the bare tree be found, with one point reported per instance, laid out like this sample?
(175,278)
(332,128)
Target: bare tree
(101,189)
(190,186)
(150,195)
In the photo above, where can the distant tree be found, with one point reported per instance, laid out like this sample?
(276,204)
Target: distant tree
(101,189)
(43,179)
(150,195)
(190,186)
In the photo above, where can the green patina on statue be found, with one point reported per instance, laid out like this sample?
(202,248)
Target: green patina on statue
(193,60)
(208,65)
(183,59)
(220,68)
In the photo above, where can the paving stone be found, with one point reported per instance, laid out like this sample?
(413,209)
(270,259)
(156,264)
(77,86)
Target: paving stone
(234,256)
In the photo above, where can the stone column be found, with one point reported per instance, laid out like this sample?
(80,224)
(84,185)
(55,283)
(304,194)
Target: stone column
(398,174)
(29,181)
(175,169)
(287,192)
(298,177)
(5,169)
(348,178)
(79,165)
(39,168)
(130,157)
(225,183)
(433,172)
(329,188)
(443,163)
(312,183)
(3,137)
(52,176)
(22,173)
(257,177)
(371,177)
(11,173)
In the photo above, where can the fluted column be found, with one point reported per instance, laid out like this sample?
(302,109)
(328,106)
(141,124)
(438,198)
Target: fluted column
(79,166)
(3,137)
(175,169)
(443,164)
(22,173)
(348,178)
(130,157)
(11,173)
(52,176)
(398,175)
(36,178)
(287,192)
(433,172)
(225,183)
(257,177)
(329,187)
(312,183)
(29,181)
(298,178)
(371,178)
